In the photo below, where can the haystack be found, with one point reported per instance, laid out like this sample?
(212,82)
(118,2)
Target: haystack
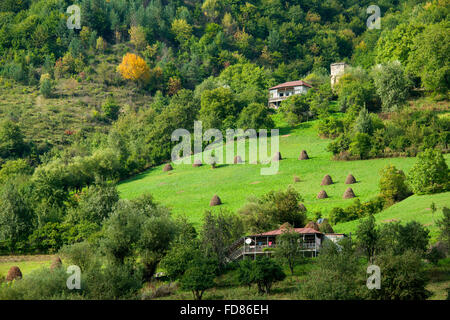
(14,273)
(302,207)
(326,181)
(56,263)
(167,167)
(322,195)
(296,179)
(237,159)
(197,163)
(348,194)
(312,225)
(277,156)
(303,155)
(215,201)
(350,179)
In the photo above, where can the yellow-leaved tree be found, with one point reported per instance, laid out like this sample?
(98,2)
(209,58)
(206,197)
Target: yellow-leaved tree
(134,68)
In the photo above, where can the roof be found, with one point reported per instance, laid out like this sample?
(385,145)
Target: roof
(298,230)
(292,84)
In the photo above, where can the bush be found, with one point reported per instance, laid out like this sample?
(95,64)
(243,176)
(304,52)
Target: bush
(429,174)
(392,185)
(265,272)
(199,277)
(402,278)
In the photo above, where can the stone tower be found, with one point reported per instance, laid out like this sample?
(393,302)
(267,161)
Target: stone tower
(336,70)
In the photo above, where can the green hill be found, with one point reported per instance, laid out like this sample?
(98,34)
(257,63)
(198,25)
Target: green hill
(188,190)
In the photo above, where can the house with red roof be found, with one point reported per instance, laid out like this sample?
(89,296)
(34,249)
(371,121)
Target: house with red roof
(264,243)
(283,91)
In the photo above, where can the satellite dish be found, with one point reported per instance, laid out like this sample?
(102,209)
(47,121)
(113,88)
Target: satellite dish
(248,241)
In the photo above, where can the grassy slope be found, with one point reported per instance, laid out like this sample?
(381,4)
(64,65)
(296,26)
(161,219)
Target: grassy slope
(187,190)
(414,208)
(26,264)
(73,105)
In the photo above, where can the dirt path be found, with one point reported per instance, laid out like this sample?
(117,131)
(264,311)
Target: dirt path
(38,257)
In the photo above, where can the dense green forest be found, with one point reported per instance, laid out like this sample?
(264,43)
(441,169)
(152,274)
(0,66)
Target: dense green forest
(136,70)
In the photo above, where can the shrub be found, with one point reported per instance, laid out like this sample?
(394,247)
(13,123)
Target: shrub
(402,278)
(429,174)
(199,277)
(265,272)
(46,86)
(392,185)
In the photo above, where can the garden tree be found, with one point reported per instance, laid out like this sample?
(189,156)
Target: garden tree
(199,276)
(218,232)
(363,124)
(444,227)
(368,235)
(111,109)
(255,116)
(182,30)
(289,245)
(218,109)
(94,204)
(134,68)
(361,145)
(428,58)
(12,144)
(429,174)
(295,109)
(265,272)
(16,213)
(338,276)
(14,168)
(137,37)
(272,210)
(392,85)
(392,185)
(402,277)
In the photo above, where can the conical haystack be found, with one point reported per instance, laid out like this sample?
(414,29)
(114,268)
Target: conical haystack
(322,195)
(197,163)
(348,194)
(277,156)
(296,179)
(14,273)
(215,201)
(237,159)
(56,263)
(350,179)
(167,167)
(303,155)
(326,181)
(302,207)
(312,225)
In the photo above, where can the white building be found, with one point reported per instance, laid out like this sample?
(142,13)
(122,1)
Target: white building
(337,70)
(283,91)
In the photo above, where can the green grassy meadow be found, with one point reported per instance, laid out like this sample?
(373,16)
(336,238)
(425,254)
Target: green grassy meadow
(187,190)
